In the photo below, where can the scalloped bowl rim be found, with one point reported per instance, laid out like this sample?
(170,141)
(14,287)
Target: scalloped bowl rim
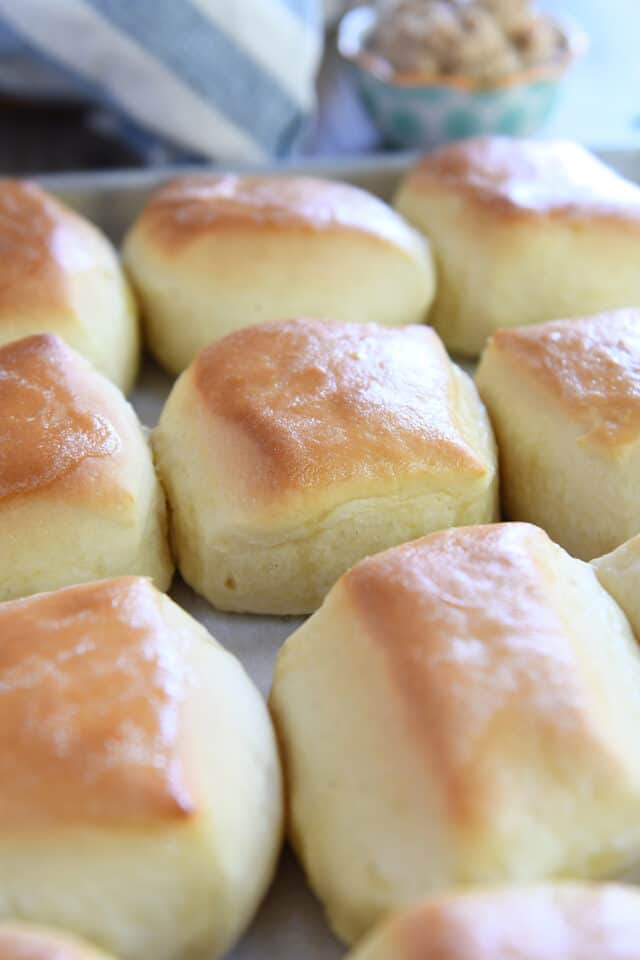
(351,34)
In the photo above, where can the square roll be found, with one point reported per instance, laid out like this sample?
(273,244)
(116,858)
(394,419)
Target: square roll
(141,797)
(79,497)
(60,274)
(523,231)
(210,254)
(564,400)
(289,451)
(462,711)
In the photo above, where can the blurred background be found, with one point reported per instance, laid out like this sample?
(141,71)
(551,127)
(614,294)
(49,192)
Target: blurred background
(95,84)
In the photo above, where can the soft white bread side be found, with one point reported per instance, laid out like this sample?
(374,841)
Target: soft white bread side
(26,942)
(290,451)
(619,574)
(79,498)
(461,711)
(141,803)
(211,254)
(564,400)
(565,921)
(523,231)
(59,274)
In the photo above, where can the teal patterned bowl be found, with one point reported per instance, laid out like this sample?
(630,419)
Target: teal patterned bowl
(413,111)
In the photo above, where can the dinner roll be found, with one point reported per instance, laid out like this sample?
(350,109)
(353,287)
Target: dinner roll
(462,710)
(564,398)
(210,254)
(59,274)
(548,922)
(619,573)
(290,451)
(523,231)
(25,942)
(141,797)
(79,498)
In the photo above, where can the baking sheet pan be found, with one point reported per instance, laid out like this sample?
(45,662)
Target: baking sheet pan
(112,199)
(290,924)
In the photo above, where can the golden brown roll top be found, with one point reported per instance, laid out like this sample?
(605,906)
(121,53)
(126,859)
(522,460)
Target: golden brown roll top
(483,634)
(91,709)
(47,430)
(79,498)
(588,366)
(328,410)
(459,692)
(564,399)
(289,451)
(211,254)
(528,178)
(25,942)
(36,249)
(187,208)
(59,274)
(551,922)
(523,232)
(141,804)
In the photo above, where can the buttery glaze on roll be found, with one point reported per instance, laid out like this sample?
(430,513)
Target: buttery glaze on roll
(25,942)
(461,711)
(79,497)
(523,231)
(141,801)
(565,921)
(290,451)
(210,254)
(59,274)
(564,398)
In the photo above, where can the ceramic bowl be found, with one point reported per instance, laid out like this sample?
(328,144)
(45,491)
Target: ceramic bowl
(413,110)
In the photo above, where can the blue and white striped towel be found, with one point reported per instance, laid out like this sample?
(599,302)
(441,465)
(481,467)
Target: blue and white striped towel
(230,79)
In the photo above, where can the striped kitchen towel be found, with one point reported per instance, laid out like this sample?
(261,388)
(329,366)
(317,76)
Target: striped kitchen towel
(227,79)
